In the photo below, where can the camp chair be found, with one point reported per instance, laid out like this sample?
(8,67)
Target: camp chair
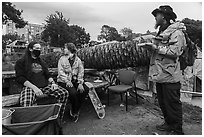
(127,83)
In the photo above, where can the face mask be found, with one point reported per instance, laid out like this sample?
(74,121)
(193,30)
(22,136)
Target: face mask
(71,55)
(66,51)
(36,53)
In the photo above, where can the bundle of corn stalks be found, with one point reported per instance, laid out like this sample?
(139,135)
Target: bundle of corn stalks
(109,55)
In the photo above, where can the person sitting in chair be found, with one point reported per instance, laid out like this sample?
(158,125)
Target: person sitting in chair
(70,77)
(33,74)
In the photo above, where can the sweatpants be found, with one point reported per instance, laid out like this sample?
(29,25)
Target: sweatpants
(28,97)
(168,95)
(76,98)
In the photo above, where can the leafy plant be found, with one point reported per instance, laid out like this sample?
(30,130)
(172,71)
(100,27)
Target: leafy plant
(51,59)
(109,34)
(58,32)
(194,30)
(8,38)
(9,12)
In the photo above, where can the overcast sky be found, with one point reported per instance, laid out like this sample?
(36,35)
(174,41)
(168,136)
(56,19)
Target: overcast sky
(92,16)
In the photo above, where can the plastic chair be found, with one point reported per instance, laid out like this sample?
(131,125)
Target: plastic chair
(127,83)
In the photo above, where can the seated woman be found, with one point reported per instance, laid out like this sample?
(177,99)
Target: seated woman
(70,77)
(33,74)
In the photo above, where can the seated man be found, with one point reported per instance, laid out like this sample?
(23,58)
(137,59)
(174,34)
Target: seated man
(33,74)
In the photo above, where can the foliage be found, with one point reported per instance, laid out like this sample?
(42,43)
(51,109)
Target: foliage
(9,12)
(194,30)
(9,38)
(93,43)
(127,33)
(58,32)
(51,59)
(7,66)
(78,35)
(109,34)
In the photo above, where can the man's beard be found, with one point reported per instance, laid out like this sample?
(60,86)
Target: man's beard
(157,25)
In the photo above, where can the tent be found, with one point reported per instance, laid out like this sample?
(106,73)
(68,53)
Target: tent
(193,75)
(197,72)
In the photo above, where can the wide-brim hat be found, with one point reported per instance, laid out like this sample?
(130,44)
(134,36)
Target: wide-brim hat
(166,10)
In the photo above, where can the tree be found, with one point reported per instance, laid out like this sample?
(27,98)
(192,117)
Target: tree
(127,33)
(56,30)
(109,34)
(93,43)
(9,12)
(9,38)
(194,30)
(78,35)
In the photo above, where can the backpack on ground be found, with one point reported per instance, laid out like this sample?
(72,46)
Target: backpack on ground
(187,58)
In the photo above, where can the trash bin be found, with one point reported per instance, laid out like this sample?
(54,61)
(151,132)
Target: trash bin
(34,120)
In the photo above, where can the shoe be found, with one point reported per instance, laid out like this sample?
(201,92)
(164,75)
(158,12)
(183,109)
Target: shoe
(76,113)
(163,127)
(174,132)
(70,112)
(75,118)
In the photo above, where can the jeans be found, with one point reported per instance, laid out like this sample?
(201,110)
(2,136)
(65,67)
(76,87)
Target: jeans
(169,100)
(76,98)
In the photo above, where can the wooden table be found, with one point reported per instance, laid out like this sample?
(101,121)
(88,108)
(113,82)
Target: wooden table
(53,71)
(14,88)
(8,74)
(14,99)
(11,74)
(99,84)
(10,86)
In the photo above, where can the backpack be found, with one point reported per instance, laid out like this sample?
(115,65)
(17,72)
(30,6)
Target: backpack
(187,58)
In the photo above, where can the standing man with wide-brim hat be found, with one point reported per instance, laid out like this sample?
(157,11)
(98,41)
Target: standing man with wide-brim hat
(165,67)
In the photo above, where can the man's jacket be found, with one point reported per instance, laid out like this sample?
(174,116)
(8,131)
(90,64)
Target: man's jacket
(164,62)
(66,71)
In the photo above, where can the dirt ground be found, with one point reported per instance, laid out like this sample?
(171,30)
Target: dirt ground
(140,119)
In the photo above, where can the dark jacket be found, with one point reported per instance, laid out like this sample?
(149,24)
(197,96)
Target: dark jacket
(38,73)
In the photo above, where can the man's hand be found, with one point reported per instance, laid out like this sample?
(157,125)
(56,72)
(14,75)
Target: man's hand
(80,88)
(54,86)
(69,84)
(151,46)
(37,91)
